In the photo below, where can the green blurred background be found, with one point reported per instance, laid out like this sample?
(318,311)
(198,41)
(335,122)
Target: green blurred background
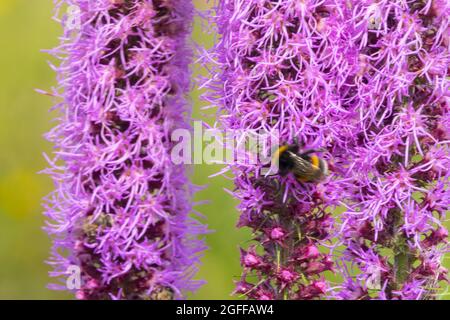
(26,27)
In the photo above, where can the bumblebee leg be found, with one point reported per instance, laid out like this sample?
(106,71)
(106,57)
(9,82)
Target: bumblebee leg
(302,179)
(282,172)
(298,143)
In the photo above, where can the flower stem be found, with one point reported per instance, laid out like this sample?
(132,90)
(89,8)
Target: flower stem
(402,256)
(402,267)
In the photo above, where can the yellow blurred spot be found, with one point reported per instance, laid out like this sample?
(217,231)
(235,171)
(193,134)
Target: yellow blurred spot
(6,6)
(277,154)
(315,161)
(19,194)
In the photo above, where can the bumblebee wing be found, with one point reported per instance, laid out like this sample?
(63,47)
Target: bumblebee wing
(301,167)
(306,169)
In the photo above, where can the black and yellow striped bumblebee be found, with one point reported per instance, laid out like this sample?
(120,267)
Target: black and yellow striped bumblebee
(306,166)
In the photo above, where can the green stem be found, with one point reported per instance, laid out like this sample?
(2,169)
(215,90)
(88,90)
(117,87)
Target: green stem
(402,265)
(284,253)
(402,256)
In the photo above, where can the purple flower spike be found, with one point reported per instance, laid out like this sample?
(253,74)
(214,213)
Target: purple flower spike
(120,211)
(368,82)
(288,67)
(393,227)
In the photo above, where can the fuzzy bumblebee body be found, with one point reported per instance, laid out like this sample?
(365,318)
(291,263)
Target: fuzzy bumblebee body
(305,166)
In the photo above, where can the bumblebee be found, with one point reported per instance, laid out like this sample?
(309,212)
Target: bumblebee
(306,166)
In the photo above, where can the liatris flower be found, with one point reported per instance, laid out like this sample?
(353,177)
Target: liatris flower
(120,211)
(393,228)
(287,67)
